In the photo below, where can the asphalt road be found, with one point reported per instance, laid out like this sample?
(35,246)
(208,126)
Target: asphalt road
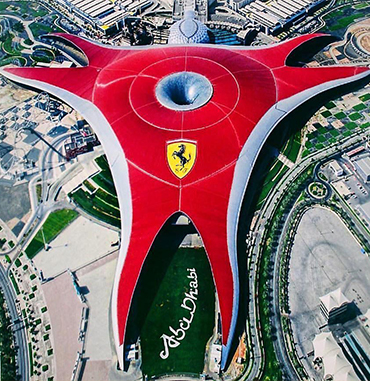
(18,326)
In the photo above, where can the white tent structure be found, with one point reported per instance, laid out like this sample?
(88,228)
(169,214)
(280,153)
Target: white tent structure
(333,304)
(324,344)
(336,366)
(334,299)
(346,375)
(336,363)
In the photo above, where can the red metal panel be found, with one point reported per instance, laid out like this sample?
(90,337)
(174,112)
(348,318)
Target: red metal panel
(122,83)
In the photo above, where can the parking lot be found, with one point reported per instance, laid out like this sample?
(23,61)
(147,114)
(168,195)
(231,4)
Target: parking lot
(351,186)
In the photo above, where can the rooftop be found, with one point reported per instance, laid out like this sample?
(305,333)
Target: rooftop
(334,299)
(188,31)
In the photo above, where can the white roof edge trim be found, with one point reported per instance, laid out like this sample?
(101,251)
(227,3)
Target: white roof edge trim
(244,168)
(119,169)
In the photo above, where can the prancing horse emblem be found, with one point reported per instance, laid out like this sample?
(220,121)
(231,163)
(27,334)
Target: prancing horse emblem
(181,157)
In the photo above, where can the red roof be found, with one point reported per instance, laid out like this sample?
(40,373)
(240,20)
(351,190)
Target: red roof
(122,83)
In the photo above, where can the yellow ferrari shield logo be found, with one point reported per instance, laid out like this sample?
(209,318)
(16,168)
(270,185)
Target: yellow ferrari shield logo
(181,157)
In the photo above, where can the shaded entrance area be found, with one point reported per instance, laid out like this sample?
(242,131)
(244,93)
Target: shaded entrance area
(174,305)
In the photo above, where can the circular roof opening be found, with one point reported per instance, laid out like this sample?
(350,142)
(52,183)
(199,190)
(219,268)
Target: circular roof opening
(184,91)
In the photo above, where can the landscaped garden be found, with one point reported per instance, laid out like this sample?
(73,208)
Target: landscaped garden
(272,178)
(317,190)
(7,353)
(269,246)
(339,123)
(338,20)
(188,269)
(43,55)
(97,196)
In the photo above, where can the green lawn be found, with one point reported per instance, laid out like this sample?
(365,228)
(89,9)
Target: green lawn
(9,60)
(355,116)
(165,311)
(107,197)
(89,186)
(292,147)
(342,22)
(38,192)
(104,178)
(8,46)
(30,8)
(39,29)
(305,153)
(326,114)
(104,182)
(30,357)
(321,129)
(340,115)
(14,282)
(330,105)
(359,107)
(308,144)
(334,133)
(54,224)
(293,154)
(43,55)
(272,178)
(365,97)
(102,163)
(350,125)
(96,207)
(103,203)
(360,6)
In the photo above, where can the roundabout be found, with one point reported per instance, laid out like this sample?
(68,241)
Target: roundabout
(317,190)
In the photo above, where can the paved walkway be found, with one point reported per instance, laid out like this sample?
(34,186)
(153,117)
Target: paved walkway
(65,309)
(80,243)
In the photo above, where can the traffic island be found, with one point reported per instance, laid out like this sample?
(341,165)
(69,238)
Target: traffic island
(317,190)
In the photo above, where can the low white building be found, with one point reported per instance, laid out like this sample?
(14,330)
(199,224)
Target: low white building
(336,168)
(363,168)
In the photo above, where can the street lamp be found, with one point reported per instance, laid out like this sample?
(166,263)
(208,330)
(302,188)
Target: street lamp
(46,246)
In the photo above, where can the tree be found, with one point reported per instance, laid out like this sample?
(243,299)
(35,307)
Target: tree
(18,27)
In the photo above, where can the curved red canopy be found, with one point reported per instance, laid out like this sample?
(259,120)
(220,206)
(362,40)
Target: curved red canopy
(247,84)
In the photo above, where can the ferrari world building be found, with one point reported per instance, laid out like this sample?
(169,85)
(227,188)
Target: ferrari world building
(182,126)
